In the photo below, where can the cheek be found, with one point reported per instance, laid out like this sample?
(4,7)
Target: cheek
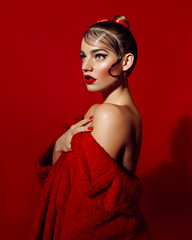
(103,69)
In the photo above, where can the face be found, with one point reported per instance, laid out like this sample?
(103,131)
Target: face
(97,58)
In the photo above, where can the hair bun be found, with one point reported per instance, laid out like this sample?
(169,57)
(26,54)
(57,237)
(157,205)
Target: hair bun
(122,18)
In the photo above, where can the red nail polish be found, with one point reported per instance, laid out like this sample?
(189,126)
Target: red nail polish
(91,117)
(90,128)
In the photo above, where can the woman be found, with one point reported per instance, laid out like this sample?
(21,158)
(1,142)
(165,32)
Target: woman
(89,187)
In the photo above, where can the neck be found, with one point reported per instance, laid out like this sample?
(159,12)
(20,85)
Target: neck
(119,95)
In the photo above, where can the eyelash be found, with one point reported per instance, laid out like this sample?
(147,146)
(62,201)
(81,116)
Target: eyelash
(102,55)
(82,56)
(96,56)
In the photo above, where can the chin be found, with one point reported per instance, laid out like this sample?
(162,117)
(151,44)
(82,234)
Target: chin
(90,89)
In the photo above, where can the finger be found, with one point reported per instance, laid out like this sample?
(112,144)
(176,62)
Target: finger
(87,120)
(76,129)
(85,129)
(88,124)
(83,122)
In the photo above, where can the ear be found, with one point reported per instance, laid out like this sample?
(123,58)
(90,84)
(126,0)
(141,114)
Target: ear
(128,61)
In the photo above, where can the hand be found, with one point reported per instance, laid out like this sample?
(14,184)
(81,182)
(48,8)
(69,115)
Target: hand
(63,143)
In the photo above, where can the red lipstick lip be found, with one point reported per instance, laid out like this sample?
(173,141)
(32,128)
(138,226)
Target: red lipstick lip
(89,79)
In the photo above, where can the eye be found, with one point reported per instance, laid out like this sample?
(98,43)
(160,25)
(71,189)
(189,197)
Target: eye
(100,56)
(83,57)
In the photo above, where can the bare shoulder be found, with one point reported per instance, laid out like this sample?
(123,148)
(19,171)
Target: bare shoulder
(113,126)
(124,116)
(91,110)
(107,108)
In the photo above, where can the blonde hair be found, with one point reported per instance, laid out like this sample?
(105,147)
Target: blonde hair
(116,36)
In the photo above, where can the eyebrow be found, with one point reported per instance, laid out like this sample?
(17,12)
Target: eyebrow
(95,50)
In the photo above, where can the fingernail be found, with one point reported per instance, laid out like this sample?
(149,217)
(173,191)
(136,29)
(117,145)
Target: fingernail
(91,117)
(90,128)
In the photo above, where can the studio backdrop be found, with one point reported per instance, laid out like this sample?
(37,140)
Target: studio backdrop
(42,86)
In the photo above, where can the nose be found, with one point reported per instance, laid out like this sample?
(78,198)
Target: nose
(87,65)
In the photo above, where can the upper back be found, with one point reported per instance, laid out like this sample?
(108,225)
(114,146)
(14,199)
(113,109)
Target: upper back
(118,129)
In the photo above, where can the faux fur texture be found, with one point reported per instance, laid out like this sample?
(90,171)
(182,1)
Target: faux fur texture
(86,195)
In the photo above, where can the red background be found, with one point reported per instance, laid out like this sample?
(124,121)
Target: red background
(42,85)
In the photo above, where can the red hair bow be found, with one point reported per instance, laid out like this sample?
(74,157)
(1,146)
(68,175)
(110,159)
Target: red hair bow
(117,21)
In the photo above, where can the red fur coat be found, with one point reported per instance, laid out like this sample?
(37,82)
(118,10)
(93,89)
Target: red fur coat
(86,196)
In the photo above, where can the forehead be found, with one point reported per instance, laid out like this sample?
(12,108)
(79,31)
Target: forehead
(92,45)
